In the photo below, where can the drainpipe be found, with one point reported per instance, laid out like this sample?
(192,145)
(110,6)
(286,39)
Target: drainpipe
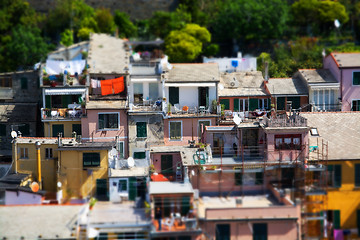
(15,155)
(37,145)
(341,90)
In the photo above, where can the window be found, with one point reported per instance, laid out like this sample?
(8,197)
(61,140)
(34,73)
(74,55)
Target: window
(24,153)
(166,164)
(2,129)
(288,142)
(202,124)
(123,186)
(355,105)
(253,104)
(120,148)
(91,159)
(76,128)
(356,78)
(334,176)
(141,130)
(259,231)
(238,177)
(138,92)
(56,129)
(333,216)
(259,178)
(175,131)
(25,129)
(226,103)
(357,175)
(48,153)
(139,155)
(241,105)
(173,95)
(108,120)
(153,91)
(314,132)
(222,232)
(263,103)
(6,82)
(24,83)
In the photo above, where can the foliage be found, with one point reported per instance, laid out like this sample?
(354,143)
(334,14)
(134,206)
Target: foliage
(67,38)
(143,29)
(162,23)
(250,20)
(105,20)
(186,44)
(347,47)
(126,27)
(84,33)
(211,50)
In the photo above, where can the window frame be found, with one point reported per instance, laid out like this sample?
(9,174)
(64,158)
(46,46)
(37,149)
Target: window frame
(199,133)
(353,73)
(121,149)
(181,131)
(91,165)
(24,153)
(49,153)
(332,181)
(283,144)
(127,185)
(107,128)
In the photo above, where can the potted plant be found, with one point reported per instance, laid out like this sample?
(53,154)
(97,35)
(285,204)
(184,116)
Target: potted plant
(92,203)
(214,106)
(169,109)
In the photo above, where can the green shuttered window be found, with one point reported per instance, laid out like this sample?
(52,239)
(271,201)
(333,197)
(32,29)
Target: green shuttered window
(91,159)
(141,130)
(356,78)
(175,130)
(226,103)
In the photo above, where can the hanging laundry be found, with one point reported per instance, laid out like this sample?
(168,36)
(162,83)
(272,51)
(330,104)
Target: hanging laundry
(57,67)
(106,87)
(118,85)
(94,83)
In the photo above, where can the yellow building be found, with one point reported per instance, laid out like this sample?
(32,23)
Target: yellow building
(83,170)
(337,139)
(66,127)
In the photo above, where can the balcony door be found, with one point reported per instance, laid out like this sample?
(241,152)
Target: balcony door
(203,96)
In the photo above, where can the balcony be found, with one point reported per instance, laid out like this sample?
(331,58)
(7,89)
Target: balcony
(62,80)
(61,114)
(176,223)
(284,121)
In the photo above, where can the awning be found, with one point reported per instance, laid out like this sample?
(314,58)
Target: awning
(190,84)
(65,91)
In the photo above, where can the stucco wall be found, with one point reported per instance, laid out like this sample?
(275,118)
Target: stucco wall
(156,160)
(48,132)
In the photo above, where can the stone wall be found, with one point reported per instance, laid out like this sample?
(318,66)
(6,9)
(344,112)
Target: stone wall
(137,9)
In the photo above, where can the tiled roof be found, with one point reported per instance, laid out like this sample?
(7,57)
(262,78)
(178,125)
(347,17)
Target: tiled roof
(107,54)
(317,76)
(248,84)
(347,59)
(286,86)
(341,130)
(201,72)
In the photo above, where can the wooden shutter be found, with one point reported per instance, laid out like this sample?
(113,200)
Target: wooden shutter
(185,205)
(226,102)
(56,129)
(356,78)
(47,101)
(132,188)
(336,219)
(280,103)
(238,178)
(337,175)
(236,104)
(253,104)
(166,163)
(141,130)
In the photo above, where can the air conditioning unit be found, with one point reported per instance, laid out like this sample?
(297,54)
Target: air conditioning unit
(234,83)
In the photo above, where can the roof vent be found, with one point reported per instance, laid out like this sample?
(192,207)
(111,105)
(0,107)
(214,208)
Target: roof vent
(234,83)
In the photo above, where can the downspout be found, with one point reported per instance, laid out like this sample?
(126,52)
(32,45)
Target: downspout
(341,88)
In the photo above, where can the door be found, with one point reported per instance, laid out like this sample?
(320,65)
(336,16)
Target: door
(222,232)
(203,94)
(102,189)
(259,231)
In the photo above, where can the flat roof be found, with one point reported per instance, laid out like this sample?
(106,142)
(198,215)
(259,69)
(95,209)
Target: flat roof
(32,221)
(170,187)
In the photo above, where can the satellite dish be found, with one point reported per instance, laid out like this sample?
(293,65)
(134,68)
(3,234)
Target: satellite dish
(221,87)
(237,119)
(130,162)
(337,23)
(59,184)
(13,134)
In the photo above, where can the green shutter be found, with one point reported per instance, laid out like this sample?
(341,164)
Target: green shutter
(225,102)
(66,100)
(24,83)
(2,129)
(259,231)
(356,78)
(185,205)
(207,97)
(91,159)
(336,219)
(337,175)
(358,221)
(269,103)
(236,104)
(132,188)
(295,102)
(280,103)
(56,129)
(139,155)
(175,130)
(47,101)
(259,178)
(101,121)
(222,232)
(167,206)
(76,128)
(173,95)
(357,175)
(253,104)
(166,164)
(238,178)
(141,130)
(101,189)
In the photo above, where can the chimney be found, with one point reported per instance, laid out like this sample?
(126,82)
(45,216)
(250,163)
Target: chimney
(266,77)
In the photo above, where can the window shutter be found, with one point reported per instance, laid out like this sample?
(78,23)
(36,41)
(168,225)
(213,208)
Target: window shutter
(238,178)
(336,219)
(24,83)
(253,104)
(226,102)
(173,95)
(48,101)
(139,155)
(2,129)
(269,103)
(141,130)
(356,78)
(337,177)
(236,104)
(358,221)
(259,178)
(76,128)
(185,205)
(56,129)
(280,103)
(132,188)
(357,175)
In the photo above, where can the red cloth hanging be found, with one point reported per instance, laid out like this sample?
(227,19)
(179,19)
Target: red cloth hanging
(106,87)
(118,85)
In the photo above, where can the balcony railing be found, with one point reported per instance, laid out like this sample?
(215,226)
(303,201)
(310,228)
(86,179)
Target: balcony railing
(61,80)
(61,113)
(176,224)
(325,107)
(285,121)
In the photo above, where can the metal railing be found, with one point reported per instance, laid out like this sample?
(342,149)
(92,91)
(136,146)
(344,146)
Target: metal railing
(60,113)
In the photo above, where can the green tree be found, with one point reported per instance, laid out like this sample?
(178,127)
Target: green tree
(186,44)
(126,27)
(105,20)
(250,20)
(67,38)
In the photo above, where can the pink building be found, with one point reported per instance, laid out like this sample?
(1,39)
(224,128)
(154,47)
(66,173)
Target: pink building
(346,69)
(106,121)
